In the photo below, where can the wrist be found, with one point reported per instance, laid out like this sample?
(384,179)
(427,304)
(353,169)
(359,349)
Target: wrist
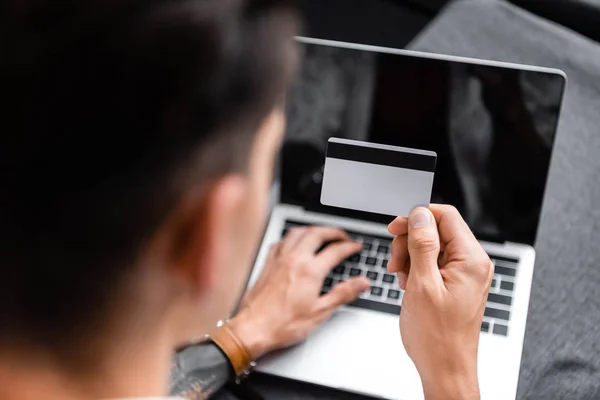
(249,331)
(452,388)
(455,379)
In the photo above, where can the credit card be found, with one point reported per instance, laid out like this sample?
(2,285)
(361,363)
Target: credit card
(377,178)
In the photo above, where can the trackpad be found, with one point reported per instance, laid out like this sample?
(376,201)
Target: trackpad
(361,351)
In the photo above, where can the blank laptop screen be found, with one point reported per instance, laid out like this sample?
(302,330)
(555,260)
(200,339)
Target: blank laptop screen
(493,130)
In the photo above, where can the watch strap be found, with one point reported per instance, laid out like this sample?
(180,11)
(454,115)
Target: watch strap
(233,347)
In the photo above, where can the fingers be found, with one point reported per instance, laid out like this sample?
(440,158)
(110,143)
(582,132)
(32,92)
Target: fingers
(399,253)
(315,237)
(399,226)
(423,244)
(334,254)
(291,239)
(399,261)
(344,293)
(453,229)
(461,244)
(403,275)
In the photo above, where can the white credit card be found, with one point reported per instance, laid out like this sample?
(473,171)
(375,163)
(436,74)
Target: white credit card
(377,178)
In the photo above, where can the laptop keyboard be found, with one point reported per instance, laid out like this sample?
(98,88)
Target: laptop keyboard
(385,295)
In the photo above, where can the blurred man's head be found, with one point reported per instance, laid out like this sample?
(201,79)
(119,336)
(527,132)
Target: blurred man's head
(137,148)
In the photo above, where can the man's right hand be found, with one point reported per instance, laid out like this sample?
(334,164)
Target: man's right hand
(447,276)
(286,304)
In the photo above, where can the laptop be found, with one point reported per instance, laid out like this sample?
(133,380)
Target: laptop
(493,127)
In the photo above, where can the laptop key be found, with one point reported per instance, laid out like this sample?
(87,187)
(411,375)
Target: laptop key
(355,258)
(371,261)
(496,313)
(389,278)
(506,259)
(328,282)
(506,285)
(383,249)
(355,272)
(500,270)
(500,299)
(372,275)
(393,294)
(500,329)
(494,283)
(485,326)
(340,269)
(367,246)
(376,291)
(384,264)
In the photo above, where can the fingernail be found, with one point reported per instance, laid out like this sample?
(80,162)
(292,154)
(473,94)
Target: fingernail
(402,282)
(419,218)
(390,265)
(361,285)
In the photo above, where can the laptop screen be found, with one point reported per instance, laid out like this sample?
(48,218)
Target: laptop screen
(492,128)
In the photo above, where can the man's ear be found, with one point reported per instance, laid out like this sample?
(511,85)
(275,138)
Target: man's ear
(202,233)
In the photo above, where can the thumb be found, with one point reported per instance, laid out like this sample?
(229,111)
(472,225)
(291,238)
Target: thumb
(344,292)
(423,243)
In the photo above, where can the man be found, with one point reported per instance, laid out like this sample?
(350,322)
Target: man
(137,153)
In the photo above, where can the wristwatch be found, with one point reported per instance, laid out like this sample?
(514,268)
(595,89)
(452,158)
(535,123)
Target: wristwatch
(234,349)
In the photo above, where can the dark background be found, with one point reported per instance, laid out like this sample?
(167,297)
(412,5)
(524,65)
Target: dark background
(395,23)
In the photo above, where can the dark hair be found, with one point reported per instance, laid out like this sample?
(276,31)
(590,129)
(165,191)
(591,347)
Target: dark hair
(106,105)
